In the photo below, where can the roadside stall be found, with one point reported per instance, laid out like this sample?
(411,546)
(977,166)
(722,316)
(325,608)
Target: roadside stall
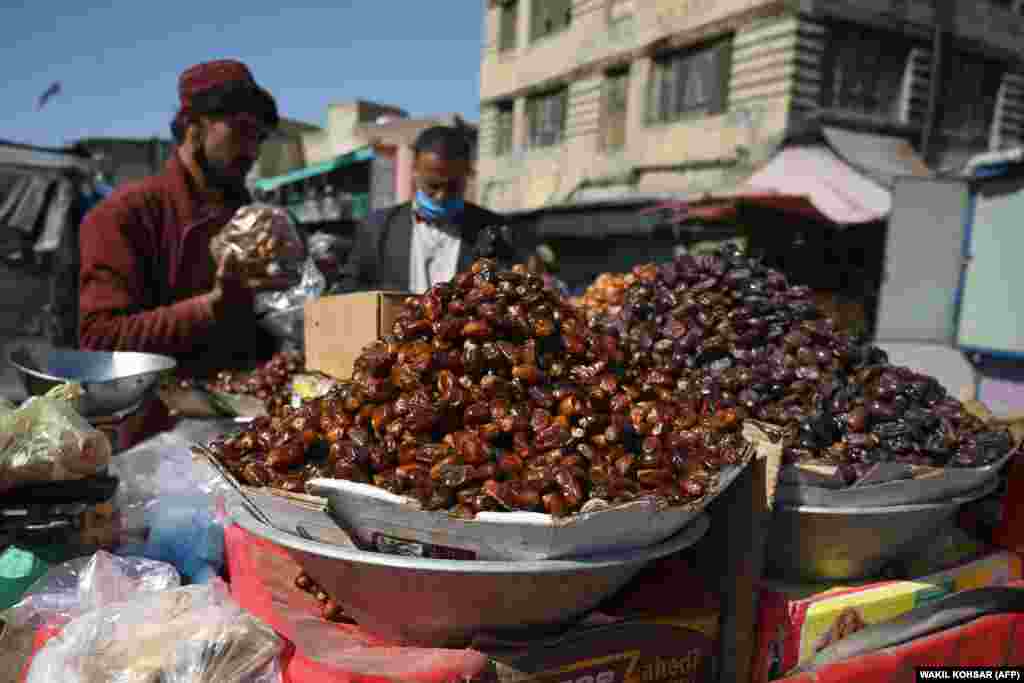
(44,194)
(687,473)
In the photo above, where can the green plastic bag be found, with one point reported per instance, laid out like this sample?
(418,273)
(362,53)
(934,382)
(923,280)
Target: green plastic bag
(19,569)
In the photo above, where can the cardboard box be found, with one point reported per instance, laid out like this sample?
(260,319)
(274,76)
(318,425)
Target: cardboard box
(976,643)
(339,327)
(681,649)
(796,621)
(662,628)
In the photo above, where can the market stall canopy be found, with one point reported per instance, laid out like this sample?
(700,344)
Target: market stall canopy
(842,194)
(37,189)
(882,157)
(841,175)
(725,205)
(590,219)
(354,157)
(14,154)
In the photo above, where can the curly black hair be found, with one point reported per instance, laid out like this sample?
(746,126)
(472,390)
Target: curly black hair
(448,142)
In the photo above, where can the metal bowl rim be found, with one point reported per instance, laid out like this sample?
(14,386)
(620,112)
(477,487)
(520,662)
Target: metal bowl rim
(686,537)
(896,509)
(63,380)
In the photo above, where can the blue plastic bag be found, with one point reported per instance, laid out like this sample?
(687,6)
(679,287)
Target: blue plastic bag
(184,533)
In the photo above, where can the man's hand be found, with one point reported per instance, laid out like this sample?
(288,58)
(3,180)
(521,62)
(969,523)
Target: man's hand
(234,289)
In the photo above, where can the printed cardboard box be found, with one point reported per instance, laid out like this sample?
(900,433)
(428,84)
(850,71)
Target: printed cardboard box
(662,628)
(796,621)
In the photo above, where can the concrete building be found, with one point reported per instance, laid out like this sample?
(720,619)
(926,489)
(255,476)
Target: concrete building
(589,99)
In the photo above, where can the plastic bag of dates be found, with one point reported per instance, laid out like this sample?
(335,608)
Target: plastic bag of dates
(264,239)
(494,405)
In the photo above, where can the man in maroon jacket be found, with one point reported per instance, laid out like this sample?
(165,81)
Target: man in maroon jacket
(148,282)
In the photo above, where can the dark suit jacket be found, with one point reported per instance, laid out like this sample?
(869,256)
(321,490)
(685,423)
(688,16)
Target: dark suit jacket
(380,256)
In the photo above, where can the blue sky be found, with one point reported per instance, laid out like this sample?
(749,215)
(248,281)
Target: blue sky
(118,60)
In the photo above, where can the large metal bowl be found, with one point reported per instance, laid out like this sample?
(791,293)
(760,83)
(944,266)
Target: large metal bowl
(845,544)
(445,603)
(113,383)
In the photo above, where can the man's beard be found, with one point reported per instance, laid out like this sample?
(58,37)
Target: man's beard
(219,177)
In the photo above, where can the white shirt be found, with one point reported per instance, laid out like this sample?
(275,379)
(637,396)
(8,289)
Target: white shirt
(433,257)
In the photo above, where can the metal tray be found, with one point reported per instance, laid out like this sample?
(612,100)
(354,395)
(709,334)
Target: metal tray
(942,485)
(380,519)
(492,536)
(433,603)
(809,543)
(800,486)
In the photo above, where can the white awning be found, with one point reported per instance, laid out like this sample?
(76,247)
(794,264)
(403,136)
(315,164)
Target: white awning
(841,193)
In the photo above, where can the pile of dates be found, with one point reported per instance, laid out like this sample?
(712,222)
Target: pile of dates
(605,296)
(735,335)
(493,394)
(270,382)
(329,609)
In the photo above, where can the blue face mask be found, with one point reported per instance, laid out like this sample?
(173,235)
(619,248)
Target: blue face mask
(437,211)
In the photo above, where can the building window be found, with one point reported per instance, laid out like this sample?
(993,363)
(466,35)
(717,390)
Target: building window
(693,81)
(864,71)
(546,117)
(970,93)
(549,17)
(507,25)
(504,127)
(615,108)
(619,10)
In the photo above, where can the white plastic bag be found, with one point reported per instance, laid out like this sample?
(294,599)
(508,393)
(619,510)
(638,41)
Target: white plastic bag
(311,286)
(45,440)
(84,584)
(195,634)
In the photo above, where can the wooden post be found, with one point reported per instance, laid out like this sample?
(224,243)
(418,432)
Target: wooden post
(732,554)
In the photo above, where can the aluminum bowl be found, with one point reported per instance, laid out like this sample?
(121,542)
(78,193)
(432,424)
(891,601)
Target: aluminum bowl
(445,603)
(843,544)
(113,383)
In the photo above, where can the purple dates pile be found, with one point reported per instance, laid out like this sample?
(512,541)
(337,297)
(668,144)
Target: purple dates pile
(727,330)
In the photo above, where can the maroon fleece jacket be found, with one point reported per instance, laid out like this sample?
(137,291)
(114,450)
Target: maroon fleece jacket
(146,266)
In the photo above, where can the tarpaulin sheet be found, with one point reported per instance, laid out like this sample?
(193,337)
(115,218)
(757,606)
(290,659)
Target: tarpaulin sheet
(262,581)
(25,202)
